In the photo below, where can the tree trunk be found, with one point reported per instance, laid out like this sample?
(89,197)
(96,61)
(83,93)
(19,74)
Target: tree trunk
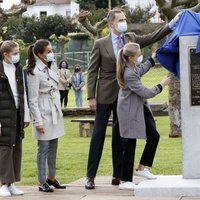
(174,107)
(109,5)
(62,46)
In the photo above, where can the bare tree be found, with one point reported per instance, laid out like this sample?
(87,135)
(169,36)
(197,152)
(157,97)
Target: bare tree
(15,10)
(82,21)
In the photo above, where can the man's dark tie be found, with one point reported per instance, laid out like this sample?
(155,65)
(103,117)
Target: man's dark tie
(120,43)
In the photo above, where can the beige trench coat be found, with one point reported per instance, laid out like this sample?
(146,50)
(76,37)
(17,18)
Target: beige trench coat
(44,101)
(64,79)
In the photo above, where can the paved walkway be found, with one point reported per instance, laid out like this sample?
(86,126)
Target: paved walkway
(76,191)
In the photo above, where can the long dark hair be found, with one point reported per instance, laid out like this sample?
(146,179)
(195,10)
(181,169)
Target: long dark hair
(34,50)
(65,61)
(6,47)
(77,68)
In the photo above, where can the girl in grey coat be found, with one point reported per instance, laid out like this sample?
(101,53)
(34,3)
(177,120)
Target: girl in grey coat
(45,108)
(135,118)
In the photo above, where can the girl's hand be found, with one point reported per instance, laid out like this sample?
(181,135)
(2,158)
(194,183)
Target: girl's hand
(40,129)
(165,81)
(26,124)
(153,55)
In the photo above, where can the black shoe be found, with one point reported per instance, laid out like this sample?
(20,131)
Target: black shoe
(56,184)
(45,188)
(115,181)
(90,185)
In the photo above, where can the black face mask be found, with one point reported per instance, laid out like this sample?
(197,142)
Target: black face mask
(77,70)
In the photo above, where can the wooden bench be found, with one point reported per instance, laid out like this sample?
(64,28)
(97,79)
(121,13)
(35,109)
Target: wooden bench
(86,126)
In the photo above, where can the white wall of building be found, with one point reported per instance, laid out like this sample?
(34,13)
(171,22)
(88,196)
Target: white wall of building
(74,8)
(52,9)
(144,3)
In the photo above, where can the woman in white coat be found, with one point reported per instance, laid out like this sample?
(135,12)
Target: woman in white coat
(45,108)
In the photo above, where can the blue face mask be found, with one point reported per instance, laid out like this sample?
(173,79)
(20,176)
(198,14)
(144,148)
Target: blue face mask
(15,58)
(121,27)
(50,57)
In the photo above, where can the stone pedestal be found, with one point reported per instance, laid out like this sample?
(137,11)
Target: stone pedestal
(189,183)
(168,186)
(190,106)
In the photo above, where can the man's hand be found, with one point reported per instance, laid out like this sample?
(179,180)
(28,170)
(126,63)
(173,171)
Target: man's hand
(177,17)
(26,124)
(174,21)
(93,104)
(40,129)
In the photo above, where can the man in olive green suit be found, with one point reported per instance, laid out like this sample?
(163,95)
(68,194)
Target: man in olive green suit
(103,88)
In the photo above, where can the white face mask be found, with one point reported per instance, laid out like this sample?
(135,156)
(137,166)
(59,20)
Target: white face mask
(50,57)
(15,58)
(139,60)
(121,27)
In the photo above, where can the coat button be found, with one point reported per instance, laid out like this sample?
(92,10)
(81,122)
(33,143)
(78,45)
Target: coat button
(47,79)
(51,86)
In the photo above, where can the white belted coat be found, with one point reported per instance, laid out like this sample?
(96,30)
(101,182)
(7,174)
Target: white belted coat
(44,101)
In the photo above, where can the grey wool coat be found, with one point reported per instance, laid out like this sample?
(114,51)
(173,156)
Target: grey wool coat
(131,102)
(44,101)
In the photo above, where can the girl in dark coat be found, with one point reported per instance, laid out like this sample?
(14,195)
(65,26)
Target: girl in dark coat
(14,117)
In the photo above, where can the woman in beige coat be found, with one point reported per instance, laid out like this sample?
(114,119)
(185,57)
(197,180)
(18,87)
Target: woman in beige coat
(45,108)
(135,118)
(64,85)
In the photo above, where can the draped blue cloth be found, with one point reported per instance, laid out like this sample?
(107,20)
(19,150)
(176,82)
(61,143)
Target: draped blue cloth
(168,54)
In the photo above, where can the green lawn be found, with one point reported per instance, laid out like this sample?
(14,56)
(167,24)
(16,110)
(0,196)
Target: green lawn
(73,153)
(152,78)
(73,150)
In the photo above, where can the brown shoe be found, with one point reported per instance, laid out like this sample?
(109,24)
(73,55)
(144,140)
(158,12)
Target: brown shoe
(115,181)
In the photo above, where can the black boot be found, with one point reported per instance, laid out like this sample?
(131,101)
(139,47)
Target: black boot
(56,184)
(45,188)
(90,185)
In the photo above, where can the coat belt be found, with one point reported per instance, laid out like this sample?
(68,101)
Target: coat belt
(54,104)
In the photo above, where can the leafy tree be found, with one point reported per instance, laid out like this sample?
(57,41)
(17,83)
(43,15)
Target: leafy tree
(61,40)
(139,14)
(30,29)
(97,15)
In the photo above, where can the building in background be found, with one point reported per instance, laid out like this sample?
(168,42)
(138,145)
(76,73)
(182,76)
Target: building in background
(51,7)
(144,3)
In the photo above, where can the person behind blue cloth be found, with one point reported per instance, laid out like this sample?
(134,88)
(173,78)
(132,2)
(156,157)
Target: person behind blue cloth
(168,54)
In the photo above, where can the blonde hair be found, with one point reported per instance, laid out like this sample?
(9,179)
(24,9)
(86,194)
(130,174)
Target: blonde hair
(130,49)
(7,46)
